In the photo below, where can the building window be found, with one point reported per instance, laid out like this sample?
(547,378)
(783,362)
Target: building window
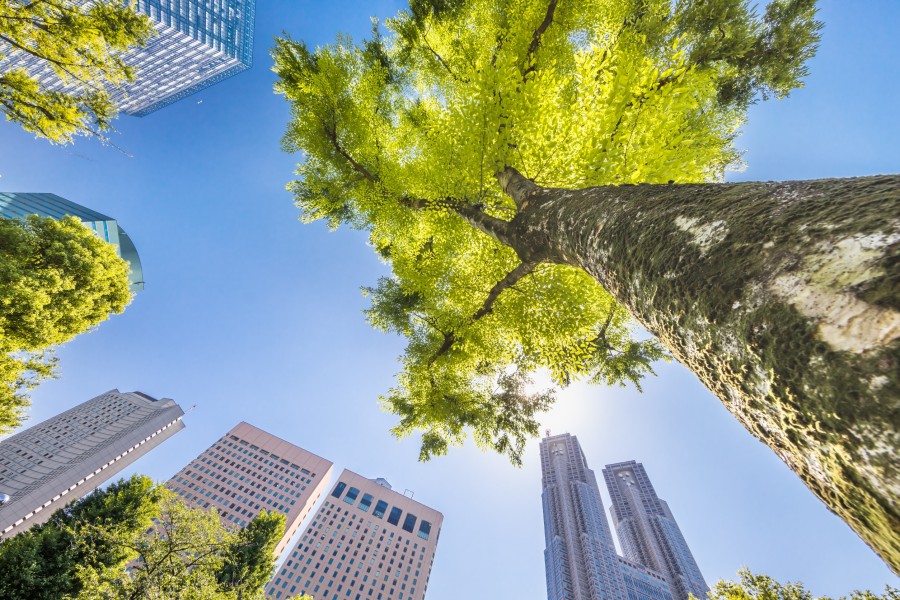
(394,517)
(339,489)
(409,523)
(424,530)
(352,493)
(366,502)
(380,507)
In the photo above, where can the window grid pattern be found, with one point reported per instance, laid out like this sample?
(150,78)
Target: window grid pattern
(198,44)
(63,458)
(648,532)
(249,470)
(580,557)
(347,552)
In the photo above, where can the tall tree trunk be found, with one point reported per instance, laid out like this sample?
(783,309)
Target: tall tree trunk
(783,298)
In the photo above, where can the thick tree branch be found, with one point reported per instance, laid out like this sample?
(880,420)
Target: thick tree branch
(601,340)
(536,38)
(511,279)
(496,228)
(331,134)
(516,186)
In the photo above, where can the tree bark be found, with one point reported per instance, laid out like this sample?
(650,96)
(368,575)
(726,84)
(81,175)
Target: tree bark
(783,298)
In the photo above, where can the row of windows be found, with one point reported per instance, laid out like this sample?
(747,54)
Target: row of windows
(409,523)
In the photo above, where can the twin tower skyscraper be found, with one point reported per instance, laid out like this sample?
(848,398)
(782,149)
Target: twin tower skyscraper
(365,541)
(580,556)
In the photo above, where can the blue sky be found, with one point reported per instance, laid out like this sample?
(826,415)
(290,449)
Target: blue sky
(250,315)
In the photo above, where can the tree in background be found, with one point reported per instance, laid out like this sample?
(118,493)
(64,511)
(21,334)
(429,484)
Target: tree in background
(247,562)
(761,587)
(138,540)
(82,43)
(491,149)
(42,562)
(57,279)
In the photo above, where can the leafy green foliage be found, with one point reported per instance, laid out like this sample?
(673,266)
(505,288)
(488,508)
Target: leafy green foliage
(57,279)
(247,561)
(404,136)
(82,44)
(41,563)
(762,587)
(138,540)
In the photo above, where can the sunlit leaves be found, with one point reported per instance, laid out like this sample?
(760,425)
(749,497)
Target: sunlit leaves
(57,279)
(80,44)
(403,136)
(754,586)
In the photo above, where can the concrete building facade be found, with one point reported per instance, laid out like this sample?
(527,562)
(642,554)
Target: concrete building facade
(647,529)
(580,556)
(365,542)
(197,44)
(53,463)
(248,470)
(18,205)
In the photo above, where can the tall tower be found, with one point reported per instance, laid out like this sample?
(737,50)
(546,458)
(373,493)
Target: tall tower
(580,555)
(647,530)
(248,470)
(46,466)
(366,542)
(16,205)
(197,43)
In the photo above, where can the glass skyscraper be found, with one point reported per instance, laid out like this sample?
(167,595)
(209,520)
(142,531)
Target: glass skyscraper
(580,555)
(15,205)
(198,43)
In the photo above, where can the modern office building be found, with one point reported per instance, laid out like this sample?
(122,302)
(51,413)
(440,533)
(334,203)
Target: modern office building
(648,532)
(580,556)
(365,542)
(17,205)
(46,466)
(248,470)
(197,43)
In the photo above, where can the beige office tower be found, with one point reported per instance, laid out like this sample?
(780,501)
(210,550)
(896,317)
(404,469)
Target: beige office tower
(248,470)
(49,465)
(366,542)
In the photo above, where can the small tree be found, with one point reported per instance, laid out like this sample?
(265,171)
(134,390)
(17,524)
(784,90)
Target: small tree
(57,279)
(762,587)
(82,43)
(542,175)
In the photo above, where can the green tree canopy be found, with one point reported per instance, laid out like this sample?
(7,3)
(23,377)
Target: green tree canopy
(82,43)
(138,540)
(404,137)
(761,587)
(57,279)
(42,562)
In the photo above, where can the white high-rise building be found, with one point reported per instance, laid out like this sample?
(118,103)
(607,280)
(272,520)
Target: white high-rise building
(580,555)
(53,463)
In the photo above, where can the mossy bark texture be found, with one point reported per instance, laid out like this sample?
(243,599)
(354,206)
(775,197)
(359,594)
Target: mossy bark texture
(783,298)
